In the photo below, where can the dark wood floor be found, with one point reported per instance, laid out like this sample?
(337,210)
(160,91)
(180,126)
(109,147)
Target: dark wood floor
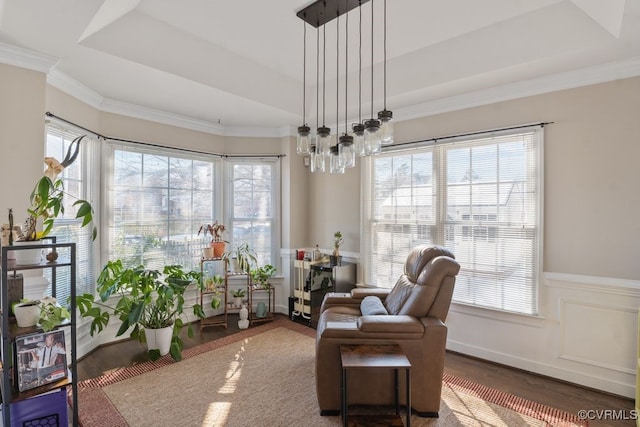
(557,394)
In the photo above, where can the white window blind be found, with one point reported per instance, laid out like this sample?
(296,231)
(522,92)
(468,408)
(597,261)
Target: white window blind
(481,198)
(79,183)
(157,198)
(253,203)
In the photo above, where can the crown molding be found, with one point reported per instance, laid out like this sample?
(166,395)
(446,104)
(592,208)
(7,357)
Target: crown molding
(73,87)
(25,58)
(158,116)
(260,132)
(561,81)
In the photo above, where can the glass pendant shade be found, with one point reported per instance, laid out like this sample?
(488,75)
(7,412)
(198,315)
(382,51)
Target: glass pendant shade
(323,143)
(358,140)
(345,151)
(317,161)
(372,142)
(335,162)
(386,127)
(303,144)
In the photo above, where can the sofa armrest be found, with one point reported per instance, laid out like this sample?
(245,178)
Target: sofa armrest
(400,324)
(360,293)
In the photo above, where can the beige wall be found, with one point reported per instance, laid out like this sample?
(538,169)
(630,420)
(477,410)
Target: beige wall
(592,150)
(22,107)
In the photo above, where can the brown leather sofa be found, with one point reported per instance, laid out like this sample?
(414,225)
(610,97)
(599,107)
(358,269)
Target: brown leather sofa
(417,307)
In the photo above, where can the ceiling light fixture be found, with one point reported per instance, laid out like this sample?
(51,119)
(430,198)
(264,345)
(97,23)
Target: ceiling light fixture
(369,136)
(303,144)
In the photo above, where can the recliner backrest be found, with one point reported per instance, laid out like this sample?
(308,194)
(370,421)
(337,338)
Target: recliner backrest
(426,269)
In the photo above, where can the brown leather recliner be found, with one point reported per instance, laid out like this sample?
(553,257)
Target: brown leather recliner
(417,307)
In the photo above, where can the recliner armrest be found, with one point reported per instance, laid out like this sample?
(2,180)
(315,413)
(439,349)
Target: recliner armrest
(333,299)
(390,323)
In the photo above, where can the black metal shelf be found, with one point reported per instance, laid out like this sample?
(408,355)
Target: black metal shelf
(9,331)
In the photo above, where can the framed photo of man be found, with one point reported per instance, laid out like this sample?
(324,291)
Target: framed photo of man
(41,359)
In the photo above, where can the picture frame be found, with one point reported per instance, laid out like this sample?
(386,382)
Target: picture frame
(41,358)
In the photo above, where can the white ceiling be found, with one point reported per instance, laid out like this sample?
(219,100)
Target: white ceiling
(235,67)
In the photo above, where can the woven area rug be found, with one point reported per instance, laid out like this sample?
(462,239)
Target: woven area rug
(264,376)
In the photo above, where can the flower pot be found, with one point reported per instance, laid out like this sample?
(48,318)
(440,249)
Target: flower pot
(159,339)
(27,314)
(237,301)
(218,249)
(27,256)
(207,252)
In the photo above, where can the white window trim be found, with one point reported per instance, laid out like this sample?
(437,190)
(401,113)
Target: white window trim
(365,239)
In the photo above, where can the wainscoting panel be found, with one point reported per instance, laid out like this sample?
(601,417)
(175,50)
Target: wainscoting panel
(589,327)
(585,333)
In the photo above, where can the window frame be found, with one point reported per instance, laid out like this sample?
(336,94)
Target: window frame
(442,225)
(276,185)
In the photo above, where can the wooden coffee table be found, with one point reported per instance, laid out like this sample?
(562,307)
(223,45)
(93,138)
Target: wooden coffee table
(375,356)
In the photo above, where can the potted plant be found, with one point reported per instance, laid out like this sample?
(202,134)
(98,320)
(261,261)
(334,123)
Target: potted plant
(237,295)
(46,313)
(47,203)
(149,303)
(241,258)
(215,230)
(335,258)
(213,285)
(261,275)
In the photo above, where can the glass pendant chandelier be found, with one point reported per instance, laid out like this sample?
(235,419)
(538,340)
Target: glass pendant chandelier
(385,116)
(358,128)
(372,143)
(323,142)
(369,135)
(335,164)
(303,143)
(345,142)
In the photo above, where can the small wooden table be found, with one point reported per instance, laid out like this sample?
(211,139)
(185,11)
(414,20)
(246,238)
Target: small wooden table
(376,356)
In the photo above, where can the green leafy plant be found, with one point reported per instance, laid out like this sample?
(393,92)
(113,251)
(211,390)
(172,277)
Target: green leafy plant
(337,241)
(261,275)
(47,199)
(52,314)
(146,299)
(245,256)
(238,293)
(213,284)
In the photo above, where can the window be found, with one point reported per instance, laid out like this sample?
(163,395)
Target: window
(480,198)
(79,184)
(156,201)
(253,200)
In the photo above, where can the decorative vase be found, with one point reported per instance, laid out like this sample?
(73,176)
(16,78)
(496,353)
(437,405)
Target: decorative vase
(159,339)
(335,260)
(243,323)
(27,313)
(261,310)
(218,249)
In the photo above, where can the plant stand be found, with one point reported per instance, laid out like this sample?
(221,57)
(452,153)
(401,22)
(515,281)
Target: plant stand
(270,295)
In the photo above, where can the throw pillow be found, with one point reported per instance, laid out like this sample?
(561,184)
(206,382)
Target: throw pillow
(372,305)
